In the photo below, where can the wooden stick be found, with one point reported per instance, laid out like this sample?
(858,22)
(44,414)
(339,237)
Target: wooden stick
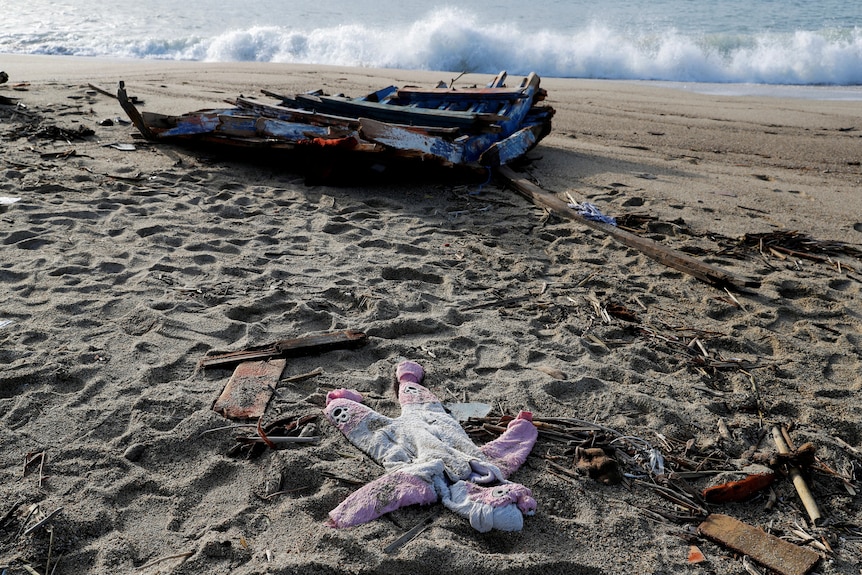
(42,522)
(182,556)
(413,533)
(680,261)
(798,480)
(102,91)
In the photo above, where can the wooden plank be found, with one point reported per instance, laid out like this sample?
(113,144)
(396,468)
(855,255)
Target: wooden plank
(192,124)
(132,112)
(662,254)
(408,94)
(412,143)
(231,125)
(249,389)
(306,345)
(401,114)
(513,147)
(499,80)
(777,554)
(318,118)
(294,115)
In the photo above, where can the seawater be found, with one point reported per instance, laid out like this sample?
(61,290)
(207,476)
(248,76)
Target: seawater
(772,42)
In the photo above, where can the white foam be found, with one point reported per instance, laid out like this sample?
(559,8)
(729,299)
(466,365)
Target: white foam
(458,40)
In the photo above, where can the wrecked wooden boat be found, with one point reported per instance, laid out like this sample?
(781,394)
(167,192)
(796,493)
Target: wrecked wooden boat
(473,127)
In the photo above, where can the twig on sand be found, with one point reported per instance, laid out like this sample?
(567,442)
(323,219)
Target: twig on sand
(42,522)
(183,556)
(301,376)
(223,427)
(102,91)
(9,513)
(413,533)
(31,460)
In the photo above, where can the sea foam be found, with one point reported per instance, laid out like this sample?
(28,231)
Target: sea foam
(458,40)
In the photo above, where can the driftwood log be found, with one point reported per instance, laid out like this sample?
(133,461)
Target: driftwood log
(677,260)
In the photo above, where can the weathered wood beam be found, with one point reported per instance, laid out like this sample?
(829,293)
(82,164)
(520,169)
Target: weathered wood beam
(677,260)
(307,345)
(132,112)
(401,114)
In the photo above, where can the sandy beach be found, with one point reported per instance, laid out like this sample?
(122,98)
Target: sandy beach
(122,267)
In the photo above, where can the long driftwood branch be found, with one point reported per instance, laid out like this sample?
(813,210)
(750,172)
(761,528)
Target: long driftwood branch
(677,260)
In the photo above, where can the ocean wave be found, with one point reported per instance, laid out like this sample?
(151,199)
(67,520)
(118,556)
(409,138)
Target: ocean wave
(457,40)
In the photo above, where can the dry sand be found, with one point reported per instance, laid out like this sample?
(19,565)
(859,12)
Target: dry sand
(121,269)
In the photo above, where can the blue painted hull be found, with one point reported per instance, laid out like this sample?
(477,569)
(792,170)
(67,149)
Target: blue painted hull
(490,126)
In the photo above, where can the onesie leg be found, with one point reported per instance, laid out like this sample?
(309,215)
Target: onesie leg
(388,493)
(510,450)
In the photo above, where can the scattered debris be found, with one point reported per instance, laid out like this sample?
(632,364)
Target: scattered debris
(793,244)
(695,555)
(551,371)
(44,521)
(768,550)
(181,556)
(281,432)
(123,147)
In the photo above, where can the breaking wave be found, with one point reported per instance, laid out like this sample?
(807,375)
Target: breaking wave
(456,40)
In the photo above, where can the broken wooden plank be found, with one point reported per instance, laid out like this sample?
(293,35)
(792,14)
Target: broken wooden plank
(515,146)
(418,95)
(777,554)
(132,112)
(295,115)
(307,345)
(485,123)
(411,142)
(249,389)
(662,254)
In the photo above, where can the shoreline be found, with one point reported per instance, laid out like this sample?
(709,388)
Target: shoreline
(123,266)
(44,69)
